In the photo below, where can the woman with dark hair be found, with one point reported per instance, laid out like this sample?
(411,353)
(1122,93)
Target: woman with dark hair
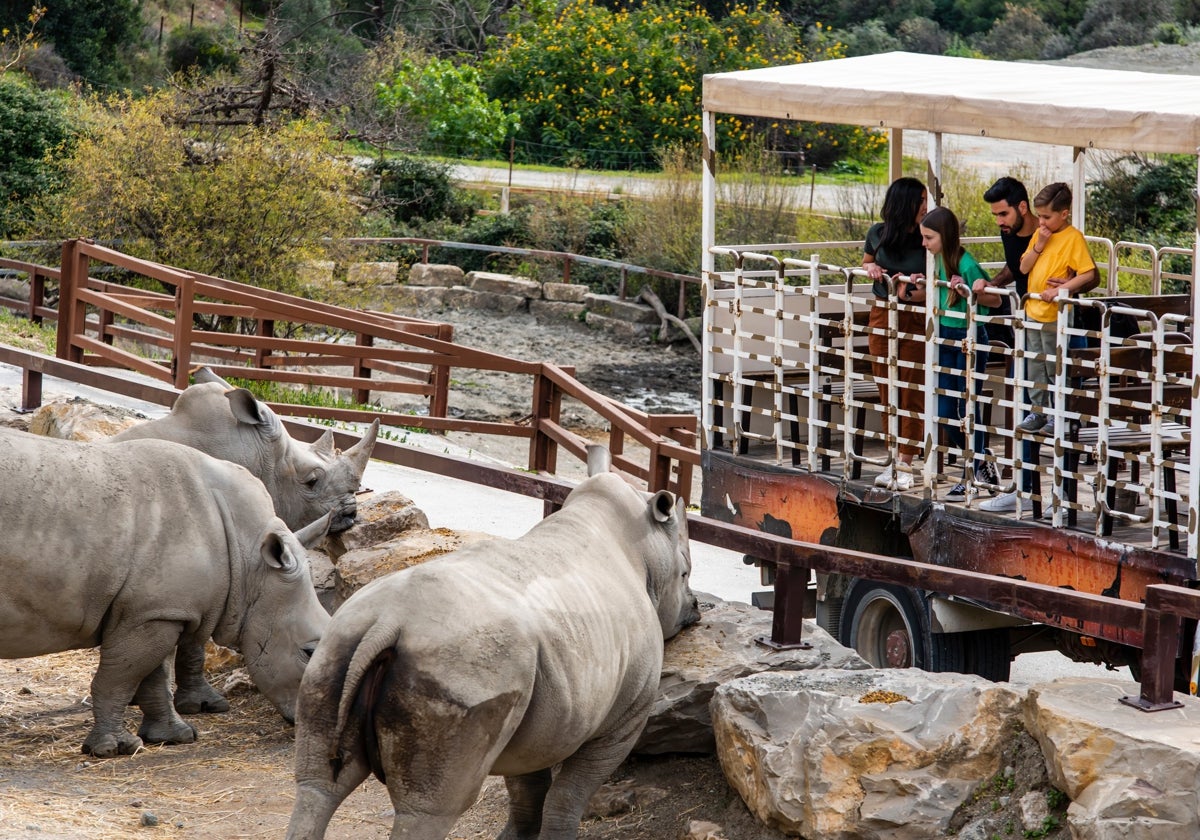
(893,246)
(960,275)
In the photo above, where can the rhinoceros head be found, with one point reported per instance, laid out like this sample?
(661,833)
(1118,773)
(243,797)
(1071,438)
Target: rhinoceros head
(305,480)
(282,621)
(658,530)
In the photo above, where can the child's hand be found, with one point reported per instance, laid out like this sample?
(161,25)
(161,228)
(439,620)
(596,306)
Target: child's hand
(1043,236)
(959,285)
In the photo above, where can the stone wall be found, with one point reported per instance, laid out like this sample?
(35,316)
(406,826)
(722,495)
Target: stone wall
(429,287)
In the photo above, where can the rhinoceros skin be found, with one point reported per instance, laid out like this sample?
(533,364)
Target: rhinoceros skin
(137,547)
(305,481)
(504,658)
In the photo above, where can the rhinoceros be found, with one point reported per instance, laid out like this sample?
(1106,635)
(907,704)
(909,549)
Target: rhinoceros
(137,547)
(503,658)
(305,481)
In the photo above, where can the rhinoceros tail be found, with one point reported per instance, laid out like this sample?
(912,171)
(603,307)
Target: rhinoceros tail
(364,676)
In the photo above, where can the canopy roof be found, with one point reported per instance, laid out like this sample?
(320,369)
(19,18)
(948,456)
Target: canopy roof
(1042,103)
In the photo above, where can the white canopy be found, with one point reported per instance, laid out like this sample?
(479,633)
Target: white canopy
(1042,103)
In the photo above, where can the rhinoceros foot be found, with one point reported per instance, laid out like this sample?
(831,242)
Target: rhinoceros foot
(109,745)
(200,700)
(177,731)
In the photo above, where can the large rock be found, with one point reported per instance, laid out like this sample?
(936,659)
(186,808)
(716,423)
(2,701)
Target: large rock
(611,306)
(504,284)
(1129,774)
(78,419)
(355,569)
(720,648)
(381,517)
(865,754)
(371,273)
(567,292)
(433,274)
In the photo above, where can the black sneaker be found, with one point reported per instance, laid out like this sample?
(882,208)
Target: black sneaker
(957,493)
(985,471)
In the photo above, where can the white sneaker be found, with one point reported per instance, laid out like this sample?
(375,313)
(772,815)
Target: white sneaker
(884,479)
(1000,504)
(904,478)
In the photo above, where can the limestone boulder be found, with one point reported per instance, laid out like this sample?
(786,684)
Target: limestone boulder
(381,517)
(371,273)
(1129,774)
(870,754)
(433,274)
(356,568)
(567,292)
(504,284)
(78,419)
(722,647)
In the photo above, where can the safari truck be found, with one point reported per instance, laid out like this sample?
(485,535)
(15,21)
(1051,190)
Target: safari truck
(795,432)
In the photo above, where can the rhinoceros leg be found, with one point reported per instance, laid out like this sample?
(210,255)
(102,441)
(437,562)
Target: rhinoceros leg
(160,723)
(583,772)
(193,694)
(526,795)
(127,655)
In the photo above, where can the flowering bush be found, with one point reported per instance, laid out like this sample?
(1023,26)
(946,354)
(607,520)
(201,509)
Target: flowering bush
(609,89)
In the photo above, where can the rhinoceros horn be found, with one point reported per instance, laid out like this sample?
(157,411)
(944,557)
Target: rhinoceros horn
(599,459)
(360,453)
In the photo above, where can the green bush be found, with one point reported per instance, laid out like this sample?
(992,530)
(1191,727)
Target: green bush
(610,89)
(205,48)
(33,124)
(413,189)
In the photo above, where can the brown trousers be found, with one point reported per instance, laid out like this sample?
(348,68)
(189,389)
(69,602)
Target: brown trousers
(911,397)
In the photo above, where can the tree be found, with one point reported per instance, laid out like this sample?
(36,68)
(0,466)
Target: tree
(239,202)
(94,37)
(607,89)
(449,102)
(33,124)
(1112,23)
(1019,35)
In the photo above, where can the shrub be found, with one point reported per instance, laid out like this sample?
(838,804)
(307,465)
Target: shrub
(204,48)
(247,204)
(610,89)
(412,189)
(33,124)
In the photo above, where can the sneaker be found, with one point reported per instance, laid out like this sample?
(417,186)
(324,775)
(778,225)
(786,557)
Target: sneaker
(885,478)
(957,493)
(1033,421)
(1000,504)
(904,479)
(985,471)
(1048,429)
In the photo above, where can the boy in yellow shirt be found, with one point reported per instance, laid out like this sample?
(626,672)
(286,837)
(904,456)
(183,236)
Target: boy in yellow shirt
(1058,264)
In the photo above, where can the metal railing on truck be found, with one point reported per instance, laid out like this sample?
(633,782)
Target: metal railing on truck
(788,368)
(102,323)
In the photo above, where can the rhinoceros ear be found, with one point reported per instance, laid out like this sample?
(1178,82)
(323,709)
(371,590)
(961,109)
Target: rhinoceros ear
(324,444)
(277,552)
(248,409)
(662,506)
(312,533)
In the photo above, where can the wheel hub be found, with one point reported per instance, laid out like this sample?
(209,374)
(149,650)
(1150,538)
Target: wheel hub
(899,651)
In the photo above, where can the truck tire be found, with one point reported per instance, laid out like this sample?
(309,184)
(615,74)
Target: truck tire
(987,653)
(889,627)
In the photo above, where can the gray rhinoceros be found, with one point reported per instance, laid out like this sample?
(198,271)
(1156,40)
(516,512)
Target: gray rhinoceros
(504,658)
(305,481)
(137,547)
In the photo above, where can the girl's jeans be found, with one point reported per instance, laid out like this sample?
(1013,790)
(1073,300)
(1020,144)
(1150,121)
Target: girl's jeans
(951,408)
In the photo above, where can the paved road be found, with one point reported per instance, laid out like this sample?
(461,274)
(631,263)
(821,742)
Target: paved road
(990,157)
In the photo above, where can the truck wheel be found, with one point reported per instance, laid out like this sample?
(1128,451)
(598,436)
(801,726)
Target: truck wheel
(888,626)
(987,653)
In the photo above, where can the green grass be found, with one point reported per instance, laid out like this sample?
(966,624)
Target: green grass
(19,331)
